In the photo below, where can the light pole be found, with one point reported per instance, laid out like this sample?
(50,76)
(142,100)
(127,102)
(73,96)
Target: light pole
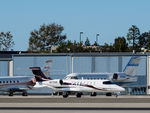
(97,38)
(80,36)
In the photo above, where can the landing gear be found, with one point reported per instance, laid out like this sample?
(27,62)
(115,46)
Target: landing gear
(117,94)
(108,94)
(93,94)
(65,94)
(11,93)
(55,93)
(78,95)
(24,94)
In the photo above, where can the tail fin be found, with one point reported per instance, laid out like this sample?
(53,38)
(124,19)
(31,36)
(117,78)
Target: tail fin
(39,75)
(132,66)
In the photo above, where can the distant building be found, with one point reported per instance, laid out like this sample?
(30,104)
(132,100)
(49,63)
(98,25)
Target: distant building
(53,49)
(96,48)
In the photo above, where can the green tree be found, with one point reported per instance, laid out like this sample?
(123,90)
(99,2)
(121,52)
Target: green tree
(47,36)
(95,44)
(107,48)
(148,45)
(144,39)
(62,48)
(6,41)
(79,47)
(120,45)
(65,47)
(133,36)
(87,42)
(69,47)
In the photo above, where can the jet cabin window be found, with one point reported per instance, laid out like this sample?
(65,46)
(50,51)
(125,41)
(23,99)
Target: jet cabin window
(107,82)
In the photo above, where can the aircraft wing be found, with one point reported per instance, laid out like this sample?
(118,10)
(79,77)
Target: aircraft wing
(15,88)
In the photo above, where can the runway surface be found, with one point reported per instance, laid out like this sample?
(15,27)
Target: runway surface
(85,104)
(73,99)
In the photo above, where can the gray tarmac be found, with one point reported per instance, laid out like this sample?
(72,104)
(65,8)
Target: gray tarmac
(73,99)
(85,104)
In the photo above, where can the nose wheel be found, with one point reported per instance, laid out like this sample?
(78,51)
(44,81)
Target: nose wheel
(93,94)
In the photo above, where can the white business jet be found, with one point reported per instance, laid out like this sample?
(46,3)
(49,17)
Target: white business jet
(120,78)
(75,86)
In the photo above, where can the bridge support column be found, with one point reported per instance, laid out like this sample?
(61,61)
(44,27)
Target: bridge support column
(93,65)
(72,64)
(120,64)
(10,69)
(148,76)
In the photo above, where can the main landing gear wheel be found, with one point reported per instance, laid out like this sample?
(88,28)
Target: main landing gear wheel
(65,94)
(11,94)
(108,94)
(24,94)
(78,95)
(55,93)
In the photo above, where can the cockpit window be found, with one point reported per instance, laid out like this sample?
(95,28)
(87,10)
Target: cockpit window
(74,77)
(107,82)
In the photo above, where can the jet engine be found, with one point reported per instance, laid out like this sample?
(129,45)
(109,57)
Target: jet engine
(123,78)
(120,77)
(55,83)
(61,82)
(115,76)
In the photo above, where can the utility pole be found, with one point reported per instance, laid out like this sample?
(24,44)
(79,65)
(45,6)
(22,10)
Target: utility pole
(97,38)
(80,36)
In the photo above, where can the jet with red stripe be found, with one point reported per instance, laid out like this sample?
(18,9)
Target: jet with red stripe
(74,86)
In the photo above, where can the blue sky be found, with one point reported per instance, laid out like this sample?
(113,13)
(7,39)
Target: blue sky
(109,18)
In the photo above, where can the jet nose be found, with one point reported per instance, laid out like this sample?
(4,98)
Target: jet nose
(121,89)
